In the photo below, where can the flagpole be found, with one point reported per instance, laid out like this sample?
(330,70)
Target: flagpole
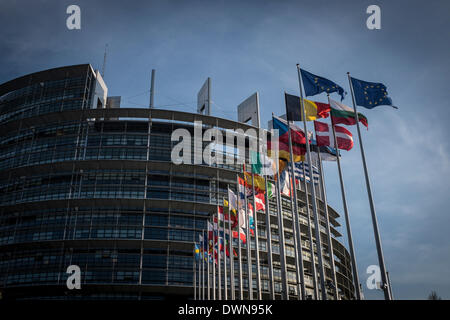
(313,193)
(219,279)
(310,238)
(208,296)
(284,283)
(268,235)
(255,216)
(210,264)
(327,221)
(241,293)
(195,277)
(281,241)
(296,227)
(203,265)
(248,245)
(390,287)
(347,217)
(202,291)
(269,243)
(230,235)
(385,285)
(225,281)
(255,220)
(213,261)
(199,282)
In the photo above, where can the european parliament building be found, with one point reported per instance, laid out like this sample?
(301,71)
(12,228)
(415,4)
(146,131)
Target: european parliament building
(86,182)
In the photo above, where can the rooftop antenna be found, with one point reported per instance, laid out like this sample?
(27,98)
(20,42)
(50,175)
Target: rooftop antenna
(152,90)
(104,62)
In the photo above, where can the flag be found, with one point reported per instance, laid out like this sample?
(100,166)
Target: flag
(313,109)
(342,114)
(197,252)
(241,188)
(210,231)
(327,153)
(251,220)
(298,141)
(232,218)
(283,151)
(227,248)
(242,224)
(260,202)
(225,216)
(203,247)
(314,85)
(285,183)
(283,163)
(324,136)
(220,243)
(262,164)
(271,189)
(220,210)
(370,94)
(302,169)
(232,200)
(297,134)
(260,185)
(242,236)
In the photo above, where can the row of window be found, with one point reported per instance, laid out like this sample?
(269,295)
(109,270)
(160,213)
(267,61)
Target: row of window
(100,259)
(102,192)
(151,233)
(68,152)
(82,219)
(44,97)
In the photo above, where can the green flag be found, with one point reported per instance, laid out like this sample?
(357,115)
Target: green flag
(262,164)
(270,187)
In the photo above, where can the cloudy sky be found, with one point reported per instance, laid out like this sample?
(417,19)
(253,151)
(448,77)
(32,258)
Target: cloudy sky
(248,46)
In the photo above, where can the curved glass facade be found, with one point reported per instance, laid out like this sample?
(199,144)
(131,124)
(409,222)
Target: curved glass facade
(92,187)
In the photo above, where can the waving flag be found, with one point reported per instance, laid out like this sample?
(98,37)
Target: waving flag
(211,235)
(232,201)
(242,224)
(251,219)
(225,216)
(260,185)
(220,210)
(324,136)
(271,190)
(262,164)
(298,141)
(314,85)
(302,169)
(241,188)
(197,252)
(285,183)
(327,153)
(370,94)
(313,110)
(342,114)
(260,202)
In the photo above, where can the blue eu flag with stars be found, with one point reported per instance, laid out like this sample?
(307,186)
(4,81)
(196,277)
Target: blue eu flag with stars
(370,94)
(314,85)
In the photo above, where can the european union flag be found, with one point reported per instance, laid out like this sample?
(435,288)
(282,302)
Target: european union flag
(370,94)
(314,85)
